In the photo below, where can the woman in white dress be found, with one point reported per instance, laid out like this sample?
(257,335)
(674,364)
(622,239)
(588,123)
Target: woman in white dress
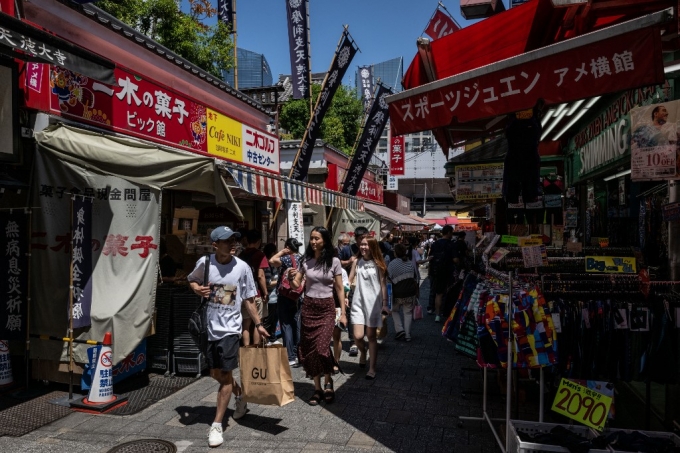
(369,301)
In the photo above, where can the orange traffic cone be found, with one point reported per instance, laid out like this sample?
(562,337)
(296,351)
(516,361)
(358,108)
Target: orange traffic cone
(101,397)
(6,378)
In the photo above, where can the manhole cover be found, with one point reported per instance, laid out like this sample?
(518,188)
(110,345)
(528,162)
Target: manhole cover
(145,446)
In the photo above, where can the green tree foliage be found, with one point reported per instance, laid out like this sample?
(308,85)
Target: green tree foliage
(340,125)
(208,47)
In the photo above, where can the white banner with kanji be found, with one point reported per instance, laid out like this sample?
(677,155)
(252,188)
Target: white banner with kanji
(125,238)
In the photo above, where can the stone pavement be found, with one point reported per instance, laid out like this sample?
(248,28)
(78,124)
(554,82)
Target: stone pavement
(411,406)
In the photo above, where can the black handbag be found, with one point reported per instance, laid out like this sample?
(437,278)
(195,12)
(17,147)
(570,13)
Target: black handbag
(198,321)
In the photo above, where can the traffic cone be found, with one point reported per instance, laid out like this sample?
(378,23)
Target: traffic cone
(101,397)
(6,378)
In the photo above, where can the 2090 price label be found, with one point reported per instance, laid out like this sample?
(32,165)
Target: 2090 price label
(582,404)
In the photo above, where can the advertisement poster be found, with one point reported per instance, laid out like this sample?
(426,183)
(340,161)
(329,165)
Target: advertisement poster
(653,141)
(479,182)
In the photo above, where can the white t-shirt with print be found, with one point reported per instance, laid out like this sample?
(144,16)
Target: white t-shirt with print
(229,284)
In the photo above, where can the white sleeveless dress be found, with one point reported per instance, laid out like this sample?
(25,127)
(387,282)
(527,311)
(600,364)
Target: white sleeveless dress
(367,299)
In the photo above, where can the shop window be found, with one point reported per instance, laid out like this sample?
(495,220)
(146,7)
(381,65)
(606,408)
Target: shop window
(8,113)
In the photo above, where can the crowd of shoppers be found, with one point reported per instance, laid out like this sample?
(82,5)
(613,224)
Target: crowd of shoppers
(246,305)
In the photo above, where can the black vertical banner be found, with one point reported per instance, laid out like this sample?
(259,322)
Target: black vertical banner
(341,61)
(14,265)
(373,129)
(366,84)
(298,41)
(81,261)
(225,12)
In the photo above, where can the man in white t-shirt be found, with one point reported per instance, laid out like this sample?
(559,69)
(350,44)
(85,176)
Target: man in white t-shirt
(230,285)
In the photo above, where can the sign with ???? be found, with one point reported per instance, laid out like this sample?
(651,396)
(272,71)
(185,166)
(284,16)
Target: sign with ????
(611,264)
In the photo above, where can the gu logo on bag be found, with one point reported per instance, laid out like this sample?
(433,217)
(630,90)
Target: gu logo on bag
(259,373)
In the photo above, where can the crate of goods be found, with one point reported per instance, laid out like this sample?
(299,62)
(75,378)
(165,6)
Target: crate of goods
(654,436)
(516,445)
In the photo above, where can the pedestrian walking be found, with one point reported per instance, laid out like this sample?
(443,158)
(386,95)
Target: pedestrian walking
(322,273)
(287,308)
(442,268)
(369,301)
(405,291)
(230,287)
(258,263)
(348,256)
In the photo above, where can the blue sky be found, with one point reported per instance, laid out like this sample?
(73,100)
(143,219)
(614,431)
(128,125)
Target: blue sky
(383,29)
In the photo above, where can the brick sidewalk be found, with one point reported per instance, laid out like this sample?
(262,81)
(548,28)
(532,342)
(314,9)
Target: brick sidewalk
(411,406)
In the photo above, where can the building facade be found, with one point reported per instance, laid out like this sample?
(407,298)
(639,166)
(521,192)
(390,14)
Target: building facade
(253,70)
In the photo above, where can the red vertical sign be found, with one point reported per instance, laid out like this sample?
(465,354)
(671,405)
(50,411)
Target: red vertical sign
(397,165)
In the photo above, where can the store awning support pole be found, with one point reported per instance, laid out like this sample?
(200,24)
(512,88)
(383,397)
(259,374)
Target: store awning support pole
(674,234)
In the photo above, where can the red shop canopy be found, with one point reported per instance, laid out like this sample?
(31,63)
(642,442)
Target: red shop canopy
(471,103)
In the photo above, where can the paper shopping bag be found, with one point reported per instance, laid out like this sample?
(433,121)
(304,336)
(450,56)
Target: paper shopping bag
(381,332)
(265,375)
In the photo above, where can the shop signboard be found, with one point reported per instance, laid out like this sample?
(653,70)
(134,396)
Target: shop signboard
(582,404)
(237,142)
(653,141)
(611,264)
(81,260)
(370,190)
(671,212)
(397,156)
(346,221)
(479,182)
(14,231)
(139,107)
(605,140)
(392,182)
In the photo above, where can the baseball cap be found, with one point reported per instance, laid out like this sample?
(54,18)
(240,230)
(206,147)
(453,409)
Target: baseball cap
(221,233)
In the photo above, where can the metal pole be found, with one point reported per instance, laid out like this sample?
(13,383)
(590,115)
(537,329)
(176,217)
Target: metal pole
(235,48)
(508,384)
(674,233)
(424,197)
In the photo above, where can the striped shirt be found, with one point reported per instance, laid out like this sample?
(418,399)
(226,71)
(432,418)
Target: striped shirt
(399,270)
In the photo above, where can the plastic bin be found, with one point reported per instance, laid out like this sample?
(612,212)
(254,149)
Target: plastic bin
(518,446)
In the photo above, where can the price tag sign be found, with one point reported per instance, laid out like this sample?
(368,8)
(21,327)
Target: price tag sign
(582,404)
(527,242)
(512,240)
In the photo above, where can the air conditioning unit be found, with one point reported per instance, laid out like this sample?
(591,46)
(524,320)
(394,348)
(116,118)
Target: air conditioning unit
(480,9)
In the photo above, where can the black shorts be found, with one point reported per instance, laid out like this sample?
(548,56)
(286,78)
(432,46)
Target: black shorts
(442,280)
(223,354)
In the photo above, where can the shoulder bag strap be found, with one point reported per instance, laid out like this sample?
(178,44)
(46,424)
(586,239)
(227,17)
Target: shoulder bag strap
(206,277)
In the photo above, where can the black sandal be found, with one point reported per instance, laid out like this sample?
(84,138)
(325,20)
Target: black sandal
(329,393)
(316,398)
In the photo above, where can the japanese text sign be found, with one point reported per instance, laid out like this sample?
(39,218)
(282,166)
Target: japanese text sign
(397,155)
(231,140)
(370,190)
(297,12)
(295,224)
(653,142)
(611,264)
(14,265)
(366,81)
(615,64)
(582,404)
(479,182)
(373,128)
(225,12)
(81,260)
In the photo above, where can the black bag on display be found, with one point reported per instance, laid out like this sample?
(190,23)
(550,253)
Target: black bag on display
(198,322)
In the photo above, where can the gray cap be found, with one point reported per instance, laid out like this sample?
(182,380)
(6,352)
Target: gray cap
(222,233)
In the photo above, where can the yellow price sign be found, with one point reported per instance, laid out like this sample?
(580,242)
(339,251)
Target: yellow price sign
(582,404)
(530,242)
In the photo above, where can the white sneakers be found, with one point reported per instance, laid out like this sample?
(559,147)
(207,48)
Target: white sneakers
(240,408)
(215,438)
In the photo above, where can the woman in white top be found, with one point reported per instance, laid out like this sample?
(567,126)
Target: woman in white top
(369,300)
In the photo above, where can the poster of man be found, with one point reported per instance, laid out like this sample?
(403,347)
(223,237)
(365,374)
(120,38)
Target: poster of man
(654,141)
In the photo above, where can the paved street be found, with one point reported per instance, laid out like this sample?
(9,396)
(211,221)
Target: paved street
(412,405)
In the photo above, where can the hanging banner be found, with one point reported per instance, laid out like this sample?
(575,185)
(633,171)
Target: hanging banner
(441,25)
(479,182)
(295,226)
(14,267)
(366,84)
(653,141)
(124,247)
(81,260)
(397,155)
(225,13)
(341,61)
(346,221)
(297,12)
(373,129)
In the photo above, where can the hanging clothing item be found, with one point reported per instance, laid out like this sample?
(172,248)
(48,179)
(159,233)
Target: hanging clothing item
(521,172)
(535,337)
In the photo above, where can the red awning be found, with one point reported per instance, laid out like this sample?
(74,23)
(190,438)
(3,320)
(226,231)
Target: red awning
(474,103)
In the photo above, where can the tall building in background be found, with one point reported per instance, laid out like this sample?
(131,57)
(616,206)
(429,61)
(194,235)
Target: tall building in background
(253,70)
